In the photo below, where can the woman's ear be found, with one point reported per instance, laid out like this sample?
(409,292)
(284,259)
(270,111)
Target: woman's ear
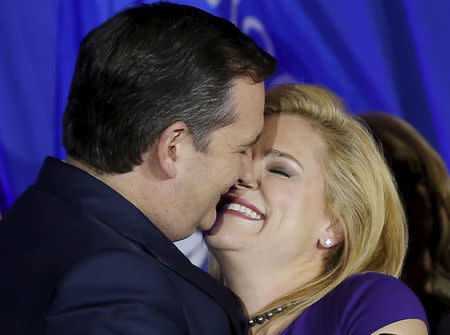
(168,146)
(330,235)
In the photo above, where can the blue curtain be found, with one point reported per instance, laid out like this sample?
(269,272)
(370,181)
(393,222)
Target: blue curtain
(381,55)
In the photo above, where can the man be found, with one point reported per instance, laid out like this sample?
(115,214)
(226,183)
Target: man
(165,104)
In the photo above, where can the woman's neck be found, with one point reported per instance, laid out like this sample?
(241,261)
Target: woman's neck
(258,283)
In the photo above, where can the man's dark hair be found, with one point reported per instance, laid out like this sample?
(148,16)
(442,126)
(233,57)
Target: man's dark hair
(148,67)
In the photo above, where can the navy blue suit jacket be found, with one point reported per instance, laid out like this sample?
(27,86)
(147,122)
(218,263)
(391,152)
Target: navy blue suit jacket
(78,259)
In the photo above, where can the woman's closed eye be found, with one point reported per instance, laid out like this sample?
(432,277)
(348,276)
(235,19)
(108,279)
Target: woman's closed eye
(280,171)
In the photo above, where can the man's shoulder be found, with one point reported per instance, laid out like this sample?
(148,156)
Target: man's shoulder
(129,291)
(119,268)
(116,288)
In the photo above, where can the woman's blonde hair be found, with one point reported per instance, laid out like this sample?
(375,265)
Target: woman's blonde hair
(361,196)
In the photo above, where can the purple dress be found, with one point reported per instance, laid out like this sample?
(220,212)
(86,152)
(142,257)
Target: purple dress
(360,305)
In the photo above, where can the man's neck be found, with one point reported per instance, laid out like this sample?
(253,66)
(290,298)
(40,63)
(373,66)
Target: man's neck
(136,187)
(82,166)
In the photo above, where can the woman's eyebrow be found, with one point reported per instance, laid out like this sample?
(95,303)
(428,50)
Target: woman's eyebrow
(278,153)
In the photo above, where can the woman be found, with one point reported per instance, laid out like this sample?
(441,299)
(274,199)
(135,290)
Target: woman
(314,243)
(424,186)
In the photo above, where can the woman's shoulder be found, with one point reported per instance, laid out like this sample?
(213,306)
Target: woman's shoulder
(362,304)
(373,300)
(378,290)
(374,285)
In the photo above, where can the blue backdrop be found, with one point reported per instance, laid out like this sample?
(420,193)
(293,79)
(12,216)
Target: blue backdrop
(387,55)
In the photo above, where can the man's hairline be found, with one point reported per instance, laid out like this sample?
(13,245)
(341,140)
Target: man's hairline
(231,104)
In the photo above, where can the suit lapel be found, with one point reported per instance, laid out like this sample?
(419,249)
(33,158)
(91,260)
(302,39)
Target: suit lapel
(112,209)
(153,241)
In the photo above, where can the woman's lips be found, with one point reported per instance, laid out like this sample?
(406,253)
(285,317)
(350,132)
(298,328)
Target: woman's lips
(242,208)
(222,208)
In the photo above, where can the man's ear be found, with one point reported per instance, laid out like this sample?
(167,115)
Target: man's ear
(168,143)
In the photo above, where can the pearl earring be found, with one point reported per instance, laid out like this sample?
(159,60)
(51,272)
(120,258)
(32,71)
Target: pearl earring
(328,242)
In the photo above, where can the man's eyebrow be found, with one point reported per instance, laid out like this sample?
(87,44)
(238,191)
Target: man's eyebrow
(278,153)
(252,143)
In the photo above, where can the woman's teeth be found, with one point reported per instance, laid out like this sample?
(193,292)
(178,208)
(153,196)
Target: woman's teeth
(244,210)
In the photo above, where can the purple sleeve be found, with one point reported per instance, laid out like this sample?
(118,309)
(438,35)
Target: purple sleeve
(375,300)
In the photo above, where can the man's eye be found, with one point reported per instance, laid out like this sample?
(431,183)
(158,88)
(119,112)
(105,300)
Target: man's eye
(281,172)
(244,151)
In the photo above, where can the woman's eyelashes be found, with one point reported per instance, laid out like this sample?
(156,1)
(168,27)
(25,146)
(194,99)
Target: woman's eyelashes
(280,171)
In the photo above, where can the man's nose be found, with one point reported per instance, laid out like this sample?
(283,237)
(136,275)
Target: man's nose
(247,178)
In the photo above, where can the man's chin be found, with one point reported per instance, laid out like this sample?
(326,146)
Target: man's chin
(216,226)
